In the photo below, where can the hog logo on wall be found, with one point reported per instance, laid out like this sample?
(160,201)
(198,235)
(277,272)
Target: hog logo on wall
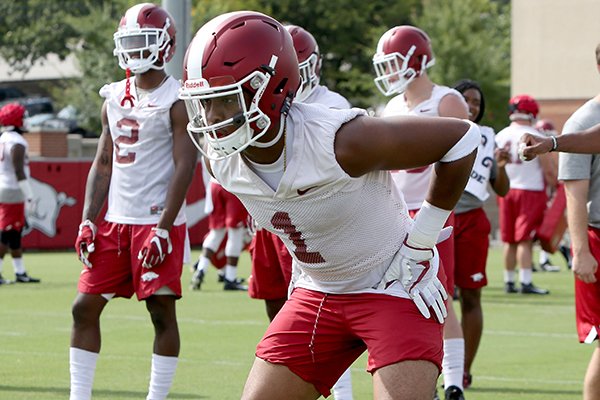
(47,203)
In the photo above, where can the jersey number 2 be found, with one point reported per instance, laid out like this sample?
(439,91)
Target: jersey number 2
(132,125)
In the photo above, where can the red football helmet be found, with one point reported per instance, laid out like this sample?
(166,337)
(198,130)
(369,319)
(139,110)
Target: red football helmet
(145,38)
(236,54)
(309,60)
(546,127)
(11,114)
(523,106)
(403,53)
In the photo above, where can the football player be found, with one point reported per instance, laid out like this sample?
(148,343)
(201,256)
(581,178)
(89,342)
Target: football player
(143,166)
(16,194)
(403,56)
(367,276)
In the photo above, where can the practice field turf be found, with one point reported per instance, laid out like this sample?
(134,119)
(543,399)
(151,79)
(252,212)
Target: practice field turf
(529,348)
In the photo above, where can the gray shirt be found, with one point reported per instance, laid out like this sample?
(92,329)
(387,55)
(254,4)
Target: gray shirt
(467,201)
(583,166)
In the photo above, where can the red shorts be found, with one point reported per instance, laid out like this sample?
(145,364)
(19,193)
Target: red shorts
(587,295)
(12,216)
(116,268)
(521,213)
(271,267)
(446,252)
(319,350)
(228,210)
(471,243)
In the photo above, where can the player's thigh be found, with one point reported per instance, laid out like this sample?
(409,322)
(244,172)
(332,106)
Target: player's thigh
(405,380)
(268,381)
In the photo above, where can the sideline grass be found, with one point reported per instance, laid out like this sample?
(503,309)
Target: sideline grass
(529,348)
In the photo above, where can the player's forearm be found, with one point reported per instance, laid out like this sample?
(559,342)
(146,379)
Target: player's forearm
(585,142)
(96,191)
(577,215)
(449,181)
(176,193)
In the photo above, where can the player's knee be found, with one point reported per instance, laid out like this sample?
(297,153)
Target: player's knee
(85,311)
(235,242)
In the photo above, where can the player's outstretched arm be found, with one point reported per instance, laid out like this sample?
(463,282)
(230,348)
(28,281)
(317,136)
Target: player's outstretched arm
(367,144)
(584,142)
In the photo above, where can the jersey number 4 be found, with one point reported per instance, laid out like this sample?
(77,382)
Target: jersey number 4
(282,221)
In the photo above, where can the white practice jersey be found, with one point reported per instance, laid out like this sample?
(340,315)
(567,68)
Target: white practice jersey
(414,183)
(524,175)
(10,191)
(342,232)
(143,153)
(322,95)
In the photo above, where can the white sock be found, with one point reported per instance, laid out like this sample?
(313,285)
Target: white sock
(1,264)
(203,263)
(342,390)
(509,276)
(161,377)
(544,257)
(525,275)
(453,363)
(230,272)
(18,265)
(82,367)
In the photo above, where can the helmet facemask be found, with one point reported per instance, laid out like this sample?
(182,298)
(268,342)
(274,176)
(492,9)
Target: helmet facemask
(393,71)
(309,76)
(139,49)
(249,122)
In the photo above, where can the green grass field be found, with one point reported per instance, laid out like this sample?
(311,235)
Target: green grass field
(529,348)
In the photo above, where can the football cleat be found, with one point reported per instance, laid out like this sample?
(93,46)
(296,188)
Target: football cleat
(197,279)
(454,393)
(24,278)
(4,281)
(509,287)
(234,285)
(548,267)
(530,288)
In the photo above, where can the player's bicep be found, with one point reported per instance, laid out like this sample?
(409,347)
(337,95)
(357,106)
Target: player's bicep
(104,153)
(367,144)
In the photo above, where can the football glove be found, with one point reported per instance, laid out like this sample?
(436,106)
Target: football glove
(416,269)
(84,244)
(156,247)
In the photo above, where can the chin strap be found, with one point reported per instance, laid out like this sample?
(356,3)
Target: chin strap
(128,97)
(270,143)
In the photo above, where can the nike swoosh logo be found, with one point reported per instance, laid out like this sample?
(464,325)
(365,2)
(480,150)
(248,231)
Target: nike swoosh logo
(303,192)
(427,109)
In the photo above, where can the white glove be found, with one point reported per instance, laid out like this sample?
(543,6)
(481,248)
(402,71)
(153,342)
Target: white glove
(416,269)
(156,247)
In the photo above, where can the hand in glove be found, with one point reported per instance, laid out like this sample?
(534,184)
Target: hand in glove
(416,269)
(156,247)
(84,244)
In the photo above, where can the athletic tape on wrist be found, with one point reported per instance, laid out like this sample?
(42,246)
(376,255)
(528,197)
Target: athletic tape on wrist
(428,223)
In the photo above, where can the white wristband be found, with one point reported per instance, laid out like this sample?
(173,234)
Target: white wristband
(428,223)
(26,189)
